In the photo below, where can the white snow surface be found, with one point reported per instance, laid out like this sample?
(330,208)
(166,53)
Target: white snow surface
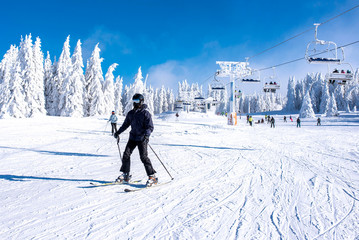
(230,182)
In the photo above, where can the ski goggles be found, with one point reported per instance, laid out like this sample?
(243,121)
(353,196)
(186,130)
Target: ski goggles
(136,100)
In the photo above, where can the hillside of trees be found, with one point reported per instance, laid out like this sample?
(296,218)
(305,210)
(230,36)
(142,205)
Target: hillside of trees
(33,85)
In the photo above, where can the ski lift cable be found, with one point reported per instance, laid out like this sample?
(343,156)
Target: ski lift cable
(298,59)
(299,34)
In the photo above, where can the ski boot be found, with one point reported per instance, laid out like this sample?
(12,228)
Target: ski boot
(123,178)
(152,180)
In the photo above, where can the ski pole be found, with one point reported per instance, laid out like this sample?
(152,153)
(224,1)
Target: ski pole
(118,145)
(105,128)
(160,161)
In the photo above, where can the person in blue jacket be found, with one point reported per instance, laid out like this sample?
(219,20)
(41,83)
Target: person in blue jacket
(140,120)
(113,120)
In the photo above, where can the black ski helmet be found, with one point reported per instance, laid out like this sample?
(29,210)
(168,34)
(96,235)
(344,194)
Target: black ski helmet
(138,96)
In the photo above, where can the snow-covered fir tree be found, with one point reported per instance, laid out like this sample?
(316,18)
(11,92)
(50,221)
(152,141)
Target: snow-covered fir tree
(38,96)
(50,87)
(170,99)
(109,89)
(12,98)
(149,99)
(95,104)
(325,98)
(136,87)
(306,110)
(290,105)
(33,76)
(74,106)
(332,107)
(118,95)
(64,70)
(163,96)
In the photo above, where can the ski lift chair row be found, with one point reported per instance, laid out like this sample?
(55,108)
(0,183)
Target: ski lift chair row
(271,87)
(327,49)
(340,76)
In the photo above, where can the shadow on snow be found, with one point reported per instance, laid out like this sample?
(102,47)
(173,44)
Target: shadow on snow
(27,178)
(57,153)
(209,147)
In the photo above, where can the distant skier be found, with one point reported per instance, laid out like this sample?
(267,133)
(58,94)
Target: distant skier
(250,119)
(113,119)
(285,119)
(272,121)
(318,122)
(247,118)
(298,122)
(290,117)
(140,120)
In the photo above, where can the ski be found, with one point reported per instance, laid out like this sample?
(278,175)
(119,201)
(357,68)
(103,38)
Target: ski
(143,187)
(113,183)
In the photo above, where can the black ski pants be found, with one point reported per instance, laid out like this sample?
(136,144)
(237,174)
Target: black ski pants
(114,128)
(142,148)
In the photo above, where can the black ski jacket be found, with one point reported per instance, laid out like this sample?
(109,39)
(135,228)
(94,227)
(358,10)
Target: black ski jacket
(141,123)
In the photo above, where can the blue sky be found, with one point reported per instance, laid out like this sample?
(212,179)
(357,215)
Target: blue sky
(177,40)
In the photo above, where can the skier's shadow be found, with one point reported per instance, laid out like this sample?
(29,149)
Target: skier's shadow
(16,178)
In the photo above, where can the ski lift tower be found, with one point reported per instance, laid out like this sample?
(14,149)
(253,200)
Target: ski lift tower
(233,70)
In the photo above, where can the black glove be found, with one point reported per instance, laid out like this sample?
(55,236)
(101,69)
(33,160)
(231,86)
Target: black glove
(146,139)
(115,135)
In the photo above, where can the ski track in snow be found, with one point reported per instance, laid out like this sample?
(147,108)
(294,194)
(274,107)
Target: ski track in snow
(230,182)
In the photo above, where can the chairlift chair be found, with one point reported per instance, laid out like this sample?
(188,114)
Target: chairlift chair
(327,51)
(254,77)
(340,75)
(271,84)
(216,84)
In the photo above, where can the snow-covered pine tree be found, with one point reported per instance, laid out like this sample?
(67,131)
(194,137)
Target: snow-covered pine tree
(170,99)
(137,87)
(74,106)
(325,98)
(6,66)
(12,98)
(118,96)
(306,110)
(16,105)
(149,99)
(32,76)
(38,96)
(290,105)
(125,96)
(299,94)
(49,86)
(109,89)
(339,97)
(332,109)
(164,99)
(94,79)
(64,72)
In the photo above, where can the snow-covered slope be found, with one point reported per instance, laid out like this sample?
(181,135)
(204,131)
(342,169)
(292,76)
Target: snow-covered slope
(230,182)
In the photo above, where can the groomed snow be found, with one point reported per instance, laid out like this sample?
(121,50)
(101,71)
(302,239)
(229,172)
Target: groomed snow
(231,182)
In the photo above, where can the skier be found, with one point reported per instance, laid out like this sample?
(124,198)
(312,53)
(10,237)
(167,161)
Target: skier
(285,119)
(272,121)
(113,120)
(318,122)
(141,124)
(291,119)
(250,119)
(298,122)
